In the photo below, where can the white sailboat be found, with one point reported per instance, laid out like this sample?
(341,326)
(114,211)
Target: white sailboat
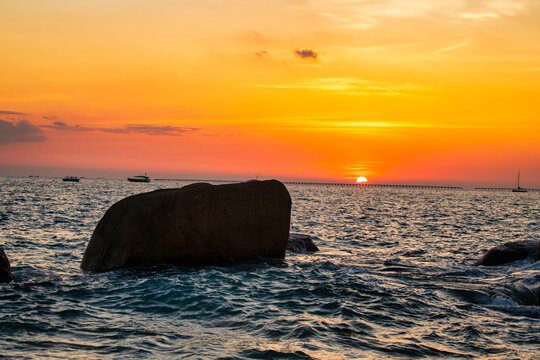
(517,188)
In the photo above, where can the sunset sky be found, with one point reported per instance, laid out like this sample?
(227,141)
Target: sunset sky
(411,91)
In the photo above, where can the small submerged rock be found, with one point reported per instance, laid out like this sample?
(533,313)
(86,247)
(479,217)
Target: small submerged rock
(509,252)
(526,295)
(301,243)
(5,268)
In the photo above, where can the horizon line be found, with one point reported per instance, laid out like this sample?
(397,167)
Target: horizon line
(305,182)
(292,180)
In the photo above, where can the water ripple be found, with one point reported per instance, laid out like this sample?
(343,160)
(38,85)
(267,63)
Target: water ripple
(393,279)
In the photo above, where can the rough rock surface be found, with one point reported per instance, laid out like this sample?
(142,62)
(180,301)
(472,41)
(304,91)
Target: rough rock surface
(528,295)
(5,268)
(537,256)
(301,243)
(197,225)
(508,252)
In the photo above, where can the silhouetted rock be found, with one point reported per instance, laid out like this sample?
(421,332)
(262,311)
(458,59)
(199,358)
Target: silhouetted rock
(526,295)
(537,256)
(5,268)
(199,224)
(508,252)
(301,243)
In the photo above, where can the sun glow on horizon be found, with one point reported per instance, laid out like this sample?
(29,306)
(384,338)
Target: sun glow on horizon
(361,179)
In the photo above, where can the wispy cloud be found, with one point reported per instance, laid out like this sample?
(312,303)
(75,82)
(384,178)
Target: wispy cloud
(19,131)
(349,86)
(397,125)
(507,7)
(454,47)
(3,112)
(306,54)
(367,14)
(262,53)
(60,125)
(331,84)
(479,16)
(368,124)
(150,130)
(155,130)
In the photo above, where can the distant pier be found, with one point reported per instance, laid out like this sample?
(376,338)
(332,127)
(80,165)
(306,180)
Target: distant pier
(501,189)
(327,184)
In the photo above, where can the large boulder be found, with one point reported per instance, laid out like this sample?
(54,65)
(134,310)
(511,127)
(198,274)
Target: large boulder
(5,268)
(508,252)
(197,225)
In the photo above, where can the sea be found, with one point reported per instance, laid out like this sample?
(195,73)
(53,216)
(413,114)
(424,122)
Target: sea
(393,279)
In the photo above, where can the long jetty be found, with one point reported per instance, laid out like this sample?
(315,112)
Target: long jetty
(501,189)
(327,184)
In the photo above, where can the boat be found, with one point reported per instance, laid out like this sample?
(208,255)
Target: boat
(71,178)
(139,178)
(518,188)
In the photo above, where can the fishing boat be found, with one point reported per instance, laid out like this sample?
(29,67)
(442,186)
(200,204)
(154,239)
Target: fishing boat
(139,178)
(71,178)
(517,188)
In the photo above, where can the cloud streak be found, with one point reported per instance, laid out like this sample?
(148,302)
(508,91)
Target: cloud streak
(60,125)
(349,86)
(147,129)
(19,131)
(454,47)
(479,16)
(3,112)
(154,130)
(367,14)
(306,54)
(262,53)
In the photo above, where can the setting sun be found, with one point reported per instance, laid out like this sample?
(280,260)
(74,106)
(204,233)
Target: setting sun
(361,179)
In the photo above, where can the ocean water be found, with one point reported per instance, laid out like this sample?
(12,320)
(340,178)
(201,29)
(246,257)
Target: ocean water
(392,280)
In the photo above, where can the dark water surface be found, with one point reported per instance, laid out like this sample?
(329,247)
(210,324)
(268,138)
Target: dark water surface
(392,280)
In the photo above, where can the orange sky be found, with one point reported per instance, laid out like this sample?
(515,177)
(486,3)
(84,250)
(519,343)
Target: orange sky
(442,92)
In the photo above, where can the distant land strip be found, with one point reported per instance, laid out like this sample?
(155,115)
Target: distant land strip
(326,184)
